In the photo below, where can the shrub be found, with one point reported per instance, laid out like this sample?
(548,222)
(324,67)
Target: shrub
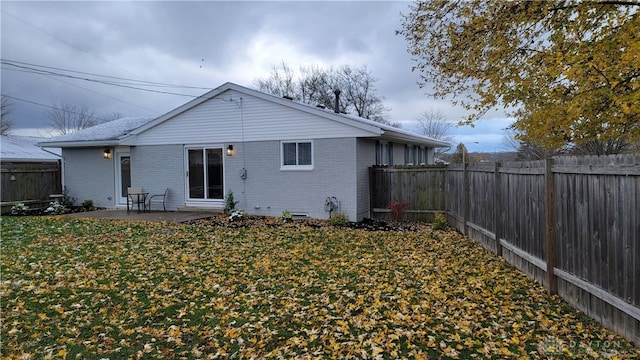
(237,215)
(87,204)
(230,203)
(19,209)
(56,208)
(398,208)
(287,216)
(339,219)
(439,221)
(67,201)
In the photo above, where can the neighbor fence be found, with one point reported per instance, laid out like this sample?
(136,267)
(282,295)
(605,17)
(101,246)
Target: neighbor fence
(421,187)
(30,183)
(571,223)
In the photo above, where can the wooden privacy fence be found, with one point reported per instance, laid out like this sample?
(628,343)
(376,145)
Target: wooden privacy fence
(571,223)
(422,187)
(30,183)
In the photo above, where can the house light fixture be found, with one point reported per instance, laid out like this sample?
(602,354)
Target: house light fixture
(107,153)
(230,151)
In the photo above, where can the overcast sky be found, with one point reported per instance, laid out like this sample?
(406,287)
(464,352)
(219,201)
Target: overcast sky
(203,45)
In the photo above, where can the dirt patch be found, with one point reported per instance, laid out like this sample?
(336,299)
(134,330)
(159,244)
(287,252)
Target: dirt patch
(269,222)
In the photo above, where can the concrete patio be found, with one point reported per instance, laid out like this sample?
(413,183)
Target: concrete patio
(157,216)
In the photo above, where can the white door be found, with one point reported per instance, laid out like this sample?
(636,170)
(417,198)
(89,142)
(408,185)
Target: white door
(123,174)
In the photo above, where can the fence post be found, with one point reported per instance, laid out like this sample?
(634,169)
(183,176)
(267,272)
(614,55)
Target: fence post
(550,218)
(497,209)
(446,193)
(465,199)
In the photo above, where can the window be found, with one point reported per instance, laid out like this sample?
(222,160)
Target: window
(422,159)
(384,153)
(297,155)
(410,155)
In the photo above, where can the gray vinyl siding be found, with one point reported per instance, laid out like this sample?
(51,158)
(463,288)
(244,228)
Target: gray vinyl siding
(88,176)
(156,168)
(268,190)
(223,120)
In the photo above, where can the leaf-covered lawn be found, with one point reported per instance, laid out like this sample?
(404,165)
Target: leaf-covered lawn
(115,289)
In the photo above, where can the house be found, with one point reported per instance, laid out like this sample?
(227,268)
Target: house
(29,173)
(272,153)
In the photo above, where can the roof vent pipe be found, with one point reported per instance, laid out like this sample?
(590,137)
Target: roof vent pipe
(337,106)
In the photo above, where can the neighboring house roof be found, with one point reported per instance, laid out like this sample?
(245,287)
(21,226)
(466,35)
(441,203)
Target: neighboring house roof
(123,131)
(25,149)
(106,134)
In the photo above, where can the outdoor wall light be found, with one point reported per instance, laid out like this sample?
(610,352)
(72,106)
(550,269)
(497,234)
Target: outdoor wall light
(12,178)
(230,150)
(107,154)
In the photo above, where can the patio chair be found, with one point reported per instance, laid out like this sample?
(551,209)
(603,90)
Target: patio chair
(159,198)
(135,196)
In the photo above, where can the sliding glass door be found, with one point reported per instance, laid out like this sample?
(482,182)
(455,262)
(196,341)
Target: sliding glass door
(205,173)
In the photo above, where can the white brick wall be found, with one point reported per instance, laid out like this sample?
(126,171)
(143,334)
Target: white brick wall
(88,176)
(158,167)
(268,190)
(366,157)
(340,170)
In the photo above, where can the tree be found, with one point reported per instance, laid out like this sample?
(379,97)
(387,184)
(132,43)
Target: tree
(279,83)
(461,155)
(5,122)
(568,68)
(434,124)
(527,150)
(315,85)
(68,118)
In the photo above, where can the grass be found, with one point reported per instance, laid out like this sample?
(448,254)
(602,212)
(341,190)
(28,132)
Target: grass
(99,289)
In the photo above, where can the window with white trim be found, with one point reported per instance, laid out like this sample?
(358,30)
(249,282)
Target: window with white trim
(410,155)
(296,155)
(421,158)
(384,153)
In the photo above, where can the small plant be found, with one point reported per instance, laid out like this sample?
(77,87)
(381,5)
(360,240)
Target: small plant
(19,209)
(287,216)
(339,219)
(398,209)
(87,204)
(439,221)
(56,208)
(67,201)
(230,203)
(237,215)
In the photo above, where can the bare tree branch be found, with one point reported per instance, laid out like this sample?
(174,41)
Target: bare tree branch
(315,85)
(68,118)
(434,124)
(5,122)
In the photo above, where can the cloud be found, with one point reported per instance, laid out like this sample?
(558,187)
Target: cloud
(201,44)
(488,133)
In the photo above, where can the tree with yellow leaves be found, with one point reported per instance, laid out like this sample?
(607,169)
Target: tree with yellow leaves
(569,69)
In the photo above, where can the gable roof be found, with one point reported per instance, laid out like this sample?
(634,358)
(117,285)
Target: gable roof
(123,131)
(106,134)
(375,128)
(25,149)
